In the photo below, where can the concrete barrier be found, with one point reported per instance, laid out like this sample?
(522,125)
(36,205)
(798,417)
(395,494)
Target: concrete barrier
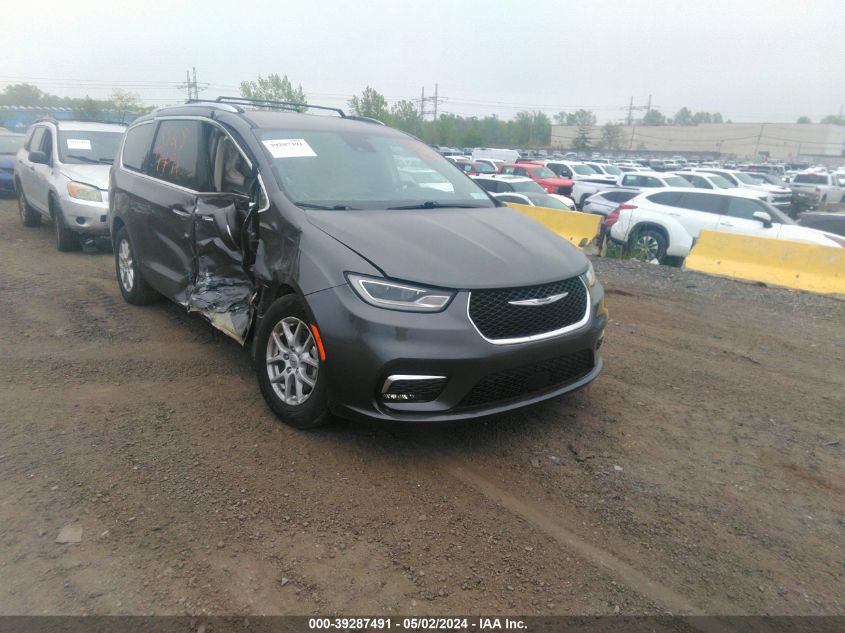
(581,229)
(777,262)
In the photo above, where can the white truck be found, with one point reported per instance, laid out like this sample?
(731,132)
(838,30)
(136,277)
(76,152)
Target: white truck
(504,155)
(819,187)
(632,180)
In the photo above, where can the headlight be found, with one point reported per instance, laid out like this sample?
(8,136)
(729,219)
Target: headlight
(393,295)
(590,275)
(84,192)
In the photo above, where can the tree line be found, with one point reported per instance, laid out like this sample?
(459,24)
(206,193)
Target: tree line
(119,102)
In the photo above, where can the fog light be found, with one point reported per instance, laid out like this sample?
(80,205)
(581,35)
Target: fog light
(406,389)
(80,220)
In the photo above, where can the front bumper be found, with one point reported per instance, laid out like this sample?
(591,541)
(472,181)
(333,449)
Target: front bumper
(365,345)
(7,183)
(82,216)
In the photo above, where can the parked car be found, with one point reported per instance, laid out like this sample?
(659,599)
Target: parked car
(10,143)
(612,171)
(822,187)
(499,183)
(542,175)
(537,200)
(655,225)
(705,180)
(361,294)
(828,222)
(778,196)
(62,174)
(604,202)
(474,168)
(573,170)
(498,155)
(493,162)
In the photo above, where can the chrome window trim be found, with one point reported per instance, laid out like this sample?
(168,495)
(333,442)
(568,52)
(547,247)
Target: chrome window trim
(186,189)
(536,337)
(397,377)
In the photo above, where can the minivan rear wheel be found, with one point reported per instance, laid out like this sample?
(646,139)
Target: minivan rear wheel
(289,365)
(133,286)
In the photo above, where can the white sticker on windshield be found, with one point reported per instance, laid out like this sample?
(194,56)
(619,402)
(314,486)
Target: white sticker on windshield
(78,143)
(478,196)
(289,148)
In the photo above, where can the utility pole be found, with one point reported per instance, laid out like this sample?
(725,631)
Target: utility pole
(435,102)
(422,103)
(759,136)
(631,111)
(423,100)
(648,107)
(196,89)
(188,83)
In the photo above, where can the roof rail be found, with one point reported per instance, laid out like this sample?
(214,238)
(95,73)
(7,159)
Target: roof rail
(55,121)
(365,119)
(212,102)
(277,105)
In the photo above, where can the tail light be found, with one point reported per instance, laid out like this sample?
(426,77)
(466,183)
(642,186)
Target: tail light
(613,217)
(818,190)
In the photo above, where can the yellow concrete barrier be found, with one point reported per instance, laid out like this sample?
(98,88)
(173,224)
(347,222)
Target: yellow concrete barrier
(579,228)
(777,262)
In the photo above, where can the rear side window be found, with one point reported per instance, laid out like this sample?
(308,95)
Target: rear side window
(619,196)
(136,147)
(512,198)
(488,185)
(669,198)
(811,179)
(630,181)
(176,152)
(701,202)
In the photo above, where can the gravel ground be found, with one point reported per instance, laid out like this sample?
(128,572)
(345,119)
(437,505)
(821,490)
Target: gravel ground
(700,473)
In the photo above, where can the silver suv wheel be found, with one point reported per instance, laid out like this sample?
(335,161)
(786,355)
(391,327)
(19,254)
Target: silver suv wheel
(125,265)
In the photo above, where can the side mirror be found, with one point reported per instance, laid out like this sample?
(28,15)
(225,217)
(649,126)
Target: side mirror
(764,217)
(39,158)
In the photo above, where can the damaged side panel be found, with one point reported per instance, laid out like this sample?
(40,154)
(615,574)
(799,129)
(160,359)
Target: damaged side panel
(222,286)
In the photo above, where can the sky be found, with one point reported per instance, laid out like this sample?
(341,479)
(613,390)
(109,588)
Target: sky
(766,60)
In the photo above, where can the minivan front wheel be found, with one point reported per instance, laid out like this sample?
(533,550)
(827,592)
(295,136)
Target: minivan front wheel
(289,365)
(66,240)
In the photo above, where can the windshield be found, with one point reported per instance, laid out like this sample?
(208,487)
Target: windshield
(526,186)
(744,178)
(10,144)
(613,170)
(484,168)
(676,181)
(811,179)
(543,172)
(720,182)
(585,170)
(79,148)
(372,168)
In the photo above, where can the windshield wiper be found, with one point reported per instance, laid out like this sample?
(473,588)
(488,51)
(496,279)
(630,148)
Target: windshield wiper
(83,158)
(431,204)
(326,207)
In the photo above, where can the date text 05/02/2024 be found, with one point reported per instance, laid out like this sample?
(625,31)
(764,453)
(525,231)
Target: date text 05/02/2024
(417,624)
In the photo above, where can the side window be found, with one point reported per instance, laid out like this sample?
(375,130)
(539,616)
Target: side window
(487,185)
(701,202)
(508,170)
(47,143)
(743,208)
(35,141)
(230,173)
(652,182)
(175,156)
(521,172)
(136,147)
(28,140)
(512,198)
(629,181)
(699,182)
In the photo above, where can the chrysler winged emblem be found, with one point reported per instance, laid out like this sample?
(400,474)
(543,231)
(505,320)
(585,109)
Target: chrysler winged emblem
(539,302)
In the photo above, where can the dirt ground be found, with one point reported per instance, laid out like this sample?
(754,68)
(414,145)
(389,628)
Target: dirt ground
(700,473)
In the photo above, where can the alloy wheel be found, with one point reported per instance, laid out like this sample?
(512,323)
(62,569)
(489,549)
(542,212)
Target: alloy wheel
(646,248)
(126,265)
(292,361)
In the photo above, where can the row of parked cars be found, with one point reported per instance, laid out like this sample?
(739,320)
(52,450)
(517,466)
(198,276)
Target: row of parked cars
(366,275)
(658,215)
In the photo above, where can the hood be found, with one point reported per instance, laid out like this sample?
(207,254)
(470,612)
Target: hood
(773,188)
(96,175)
(806,234)
(455,248)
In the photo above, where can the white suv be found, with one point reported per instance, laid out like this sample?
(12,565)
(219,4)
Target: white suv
(62,176)
(665,223)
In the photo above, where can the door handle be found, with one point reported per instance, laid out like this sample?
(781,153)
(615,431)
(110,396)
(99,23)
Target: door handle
(180,212)
(727,224)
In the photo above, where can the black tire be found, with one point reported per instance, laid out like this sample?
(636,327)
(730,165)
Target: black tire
(29,216)
(583,200)
(66,240)
(647,245)
(135,291)
(313,411)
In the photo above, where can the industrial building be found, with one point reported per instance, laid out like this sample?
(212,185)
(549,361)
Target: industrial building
(814,142)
